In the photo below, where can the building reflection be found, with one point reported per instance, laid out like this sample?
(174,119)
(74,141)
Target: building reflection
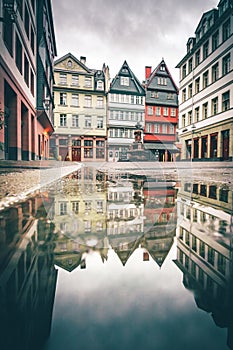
(94,211)
(204,248)
(27,275)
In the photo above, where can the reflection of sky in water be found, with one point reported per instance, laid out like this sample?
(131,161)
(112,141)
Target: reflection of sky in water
(139,306)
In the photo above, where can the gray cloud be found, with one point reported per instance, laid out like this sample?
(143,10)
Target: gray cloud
(140,31)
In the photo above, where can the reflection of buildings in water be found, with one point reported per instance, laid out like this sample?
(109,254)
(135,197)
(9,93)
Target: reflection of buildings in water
(79,210)
(125,221)
(160,218)
(124,216)
(27,276)
(204,249)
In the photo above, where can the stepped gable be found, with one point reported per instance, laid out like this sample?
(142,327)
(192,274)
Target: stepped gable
(133,86)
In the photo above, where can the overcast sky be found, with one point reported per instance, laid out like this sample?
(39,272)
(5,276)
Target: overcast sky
(142,32)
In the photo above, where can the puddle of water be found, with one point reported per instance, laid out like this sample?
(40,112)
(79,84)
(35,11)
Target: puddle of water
(118,261)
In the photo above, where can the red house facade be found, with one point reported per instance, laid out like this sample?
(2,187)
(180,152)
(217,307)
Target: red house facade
(161,113)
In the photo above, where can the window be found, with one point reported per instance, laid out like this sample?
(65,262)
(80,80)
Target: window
(87,121)
(26,70)
(164,128)
(148,127)
(226,30)
(149,110)
(87,101)
(124,81)
(154,94)
(156,128)
(87,226)
(184,71)
(100,85)
(205,110)
(32,41)
(63,98)
(197,58)
(75,100)
(214,106)
(100,102)
(190,90)
(183,120)
(205,49)
(26,20)
(190,65)
(172,129)
(87,81)
(170,96)
(63,79)
(197,114)
(173,112)
(162,81)
(32,83)
(63,208)
(226,64)
(158,111)
(76,143)
(226,101)
(215,40)
(8,31)
(18,53)
(183,95)
(190,117)
(100,123)
(88,149)
(203,190)
(205,79)
(75,207)
(221,263)
(75,80)
(63,120)
(223,195)
(215,72)
(165,111)
(100,149)
(75,121)
(197,85)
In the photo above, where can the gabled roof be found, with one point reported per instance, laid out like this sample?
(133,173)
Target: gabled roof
(72,57)
(161,71)
(134,86)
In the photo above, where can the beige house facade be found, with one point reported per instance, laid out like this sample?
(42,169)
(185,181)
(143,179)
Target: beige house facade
(80,111)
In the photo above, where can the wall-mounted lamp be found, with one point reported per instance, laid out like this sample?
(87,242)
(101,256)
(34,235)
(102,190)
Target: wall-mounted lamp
(46,102)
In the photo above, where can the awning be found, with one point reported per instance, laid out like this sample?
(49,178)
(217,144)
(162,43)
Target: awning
(162,146)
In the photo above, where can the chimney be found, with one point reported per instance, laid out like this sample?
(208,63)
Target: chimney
(147,71)
(83,59)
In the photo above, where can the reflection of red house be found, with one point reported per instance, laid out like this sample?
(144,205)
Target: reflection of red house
(159,203)
(161,113)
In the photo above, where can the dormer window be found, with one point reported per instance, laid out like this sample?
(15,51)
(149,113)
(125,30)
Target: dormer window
(100,85)
(125,81)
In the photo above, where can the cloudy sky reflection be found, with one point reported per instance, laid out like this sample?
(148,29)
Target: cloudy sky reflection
(139,306)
